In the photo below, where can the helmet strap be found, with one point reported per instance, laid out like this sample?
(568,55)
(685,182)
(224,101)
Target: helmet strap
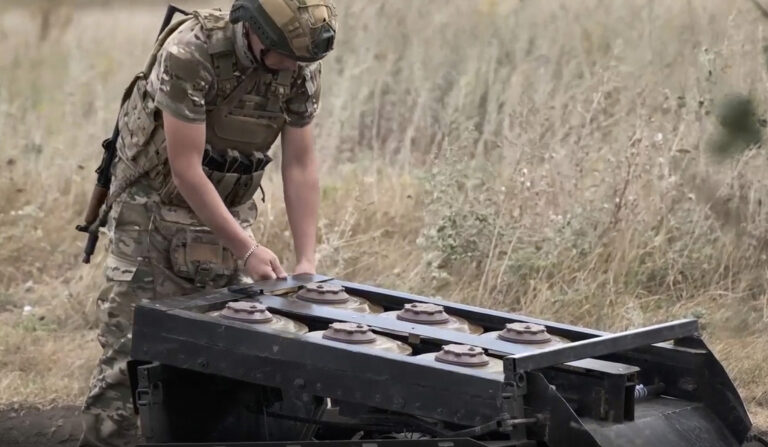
(251,56)
(262,58)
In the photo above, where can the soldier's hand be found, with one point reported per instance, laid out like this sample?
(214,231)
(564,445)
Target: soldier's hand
(263,264)
(304,268)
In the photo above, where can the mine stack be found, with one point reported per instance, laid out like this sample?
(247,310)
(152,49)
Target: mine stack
(315,361)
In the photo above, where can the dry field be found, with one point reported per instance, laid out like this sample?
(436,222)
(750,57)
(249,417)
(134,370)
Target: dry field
(553,158)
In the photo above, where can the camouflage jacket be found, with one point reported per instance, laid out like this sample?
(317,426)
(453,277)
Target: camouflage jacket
(204,71)
(201,70)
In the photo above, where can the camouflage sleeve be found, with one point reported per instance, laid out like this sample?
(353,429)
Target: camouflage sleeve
(184,74)
(302,104)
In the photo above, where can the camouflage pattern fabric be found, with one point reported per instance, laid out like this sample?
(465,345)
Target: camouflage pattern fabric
(183,81)
(143,262)
(139,269)
(108,417)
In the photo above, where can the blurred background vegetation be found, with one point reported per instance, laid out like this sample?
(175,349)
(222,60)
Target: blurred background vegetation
(595,162)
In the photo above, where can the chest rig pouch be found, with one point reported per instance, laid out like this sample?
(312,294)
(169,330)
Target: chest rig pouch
(235,176)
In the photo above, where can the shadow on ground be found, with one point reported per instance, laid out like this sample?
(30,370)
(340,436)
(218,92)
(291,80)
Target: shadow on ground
(35,427)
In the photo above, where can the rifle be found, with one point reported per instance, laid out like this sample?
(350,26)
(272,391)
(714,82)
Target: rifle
(96,214)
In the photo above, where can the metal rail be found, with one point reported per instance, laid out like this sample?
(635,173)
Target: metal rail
(596,347)
(437,442)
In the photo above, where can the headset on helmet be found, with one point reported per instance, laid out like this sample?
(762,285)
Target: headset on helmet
(303,30)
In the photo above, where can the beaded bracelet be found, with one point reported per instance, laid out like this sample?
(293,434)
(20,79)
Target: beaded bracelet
(250,252)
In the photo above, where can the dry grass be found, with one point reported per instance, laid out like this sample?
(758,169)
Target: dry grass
(549,158)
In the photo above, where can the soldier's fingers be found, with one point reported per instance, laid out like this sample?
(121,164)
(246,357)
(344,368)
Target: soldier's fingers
(267,274)
(263,271)
(277,268)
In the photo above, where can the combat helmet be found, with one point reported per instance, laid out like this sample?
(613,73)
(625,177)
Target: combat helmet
(303,30)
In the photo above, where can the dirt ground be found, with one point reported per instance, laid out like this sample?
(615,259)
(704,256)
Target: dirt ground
(40,427)
(565,160)
(30,426)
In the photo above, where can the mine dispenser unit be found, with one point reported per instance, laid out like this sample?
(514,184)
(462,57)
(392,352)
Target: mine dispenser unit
(204,378)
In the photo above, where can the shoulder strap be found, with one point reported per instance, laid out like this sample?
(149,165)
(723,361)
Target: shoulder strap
(211,19)
(160,42)
(221,47)
(279,90)
(116,190)
(161,39)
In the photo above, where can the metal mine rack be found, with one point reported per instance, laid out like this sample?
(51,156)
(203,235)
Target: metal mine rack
(313,361)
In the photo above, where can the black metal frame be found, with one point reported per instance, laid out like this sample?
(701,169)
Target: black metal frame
(603,345)
(274,359)
(446,442)
(176,332)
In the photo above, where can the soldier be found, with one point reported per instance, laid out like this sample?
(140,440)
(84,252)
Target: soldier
(194,131)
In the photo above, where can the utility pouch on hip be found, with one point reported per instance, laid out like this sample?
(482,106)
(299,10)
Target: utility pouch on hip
(197,255)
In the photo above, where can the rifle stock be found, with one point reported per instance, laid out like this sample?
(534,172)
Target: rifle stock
(98,197)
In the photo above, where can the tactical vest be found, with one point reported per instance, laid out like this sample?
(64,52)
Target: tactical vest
(242,122)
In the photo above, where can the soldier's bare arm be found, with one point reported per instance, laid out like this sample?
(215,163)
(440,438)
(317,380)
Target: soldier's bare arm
(302,193)
(186,144)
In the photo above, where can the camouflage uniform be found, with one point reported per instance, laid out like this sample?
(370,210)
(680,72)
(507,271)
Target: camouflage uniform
(200,71)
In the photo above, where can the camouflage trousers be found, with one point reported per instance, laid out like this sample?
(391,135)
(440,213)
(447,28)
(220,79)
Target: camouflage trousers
(108,416)
(140,267)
